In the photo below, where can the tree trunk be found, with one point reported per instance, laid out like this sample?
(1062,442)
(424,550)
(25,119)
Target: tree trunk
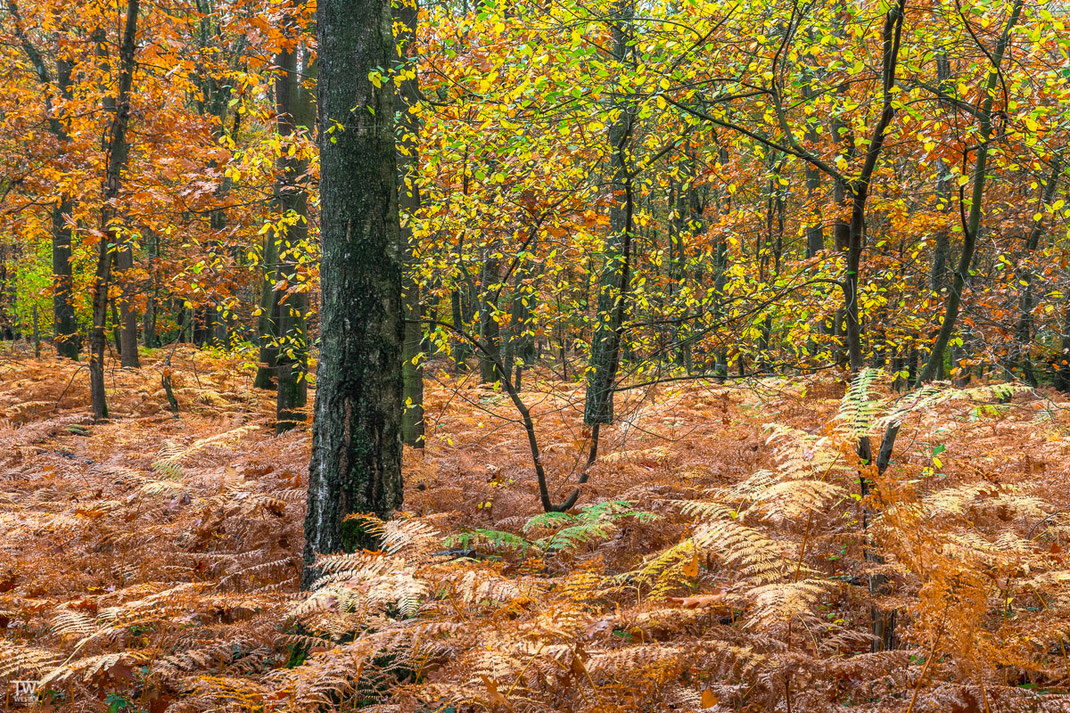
(1024,328)
(615,276)
(148,328)
(115,150)
(356,434)
(294,113)
(489,329)
(461,350)
(267,326)
(408,96)
(269,318)
(1062,363)
(815,229)
(65,337)
(969,243)
(973,221)
(124,262)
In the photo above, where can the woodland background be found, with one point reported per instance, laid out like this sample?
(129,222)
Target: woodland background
(668,268)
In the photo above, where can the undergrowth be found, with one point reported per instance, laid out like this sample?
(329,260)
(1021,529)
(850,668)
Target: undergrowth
(722,557)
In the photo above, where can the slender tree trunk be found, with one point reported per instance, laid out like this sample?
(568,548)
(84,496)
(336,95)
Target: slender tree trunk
(973,222)
(124,263)
(520,346)
(616,270)
(489,329)
(66,326)
(268,320)
(815,229)
(408,96)
(294,112)
(356,434)
(111,231)
(1024,328)
(66,336)
(885,630)
(268,330)
(148,329)
(461,350)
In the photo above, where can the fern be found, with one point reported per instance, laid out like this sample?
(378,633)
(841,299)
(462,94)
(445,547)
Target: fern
(858,411)
(593,523)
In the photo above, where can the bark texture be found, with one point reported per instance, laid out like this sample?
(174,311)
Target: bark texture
(294,113)
(615,275)
(356,434)
(408,94)
(111,231)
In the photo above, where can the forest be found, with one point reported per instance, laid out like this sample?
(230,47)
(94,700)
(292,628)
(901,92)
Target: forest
(522,356)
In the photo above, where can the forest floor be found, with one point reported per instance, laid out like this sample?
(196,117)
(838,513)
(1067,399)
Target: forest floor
(716,560)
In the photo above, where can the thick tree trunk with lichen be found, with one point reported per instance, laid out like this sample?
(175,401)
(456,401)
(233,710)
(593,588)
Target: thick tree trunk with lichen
(356,434)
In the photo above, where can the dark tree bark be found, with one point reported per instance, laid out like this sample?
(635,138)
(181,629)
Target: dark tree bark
(356,434)
(111,231)
(461,350)
(615,276)
(1024,328)
(128,321)
(1061,379)
(489,329)
(65,334)
(295,112)
(408,95)
(123,317)
(148,327)
(815,229)
(885,631)
(973,221)
(268,320)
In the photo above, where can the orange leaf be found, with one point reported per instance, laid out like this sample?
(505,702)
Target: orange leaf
(701,601)
(691,568)
(496,698)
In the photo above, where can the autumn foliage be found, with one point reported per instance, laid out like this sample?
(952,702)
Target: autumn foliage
(734,358)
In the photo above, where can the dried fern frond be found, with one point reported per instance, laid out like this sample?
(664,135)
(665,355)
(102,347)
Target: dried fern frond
(779,602)
(22,661)
(748,552)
